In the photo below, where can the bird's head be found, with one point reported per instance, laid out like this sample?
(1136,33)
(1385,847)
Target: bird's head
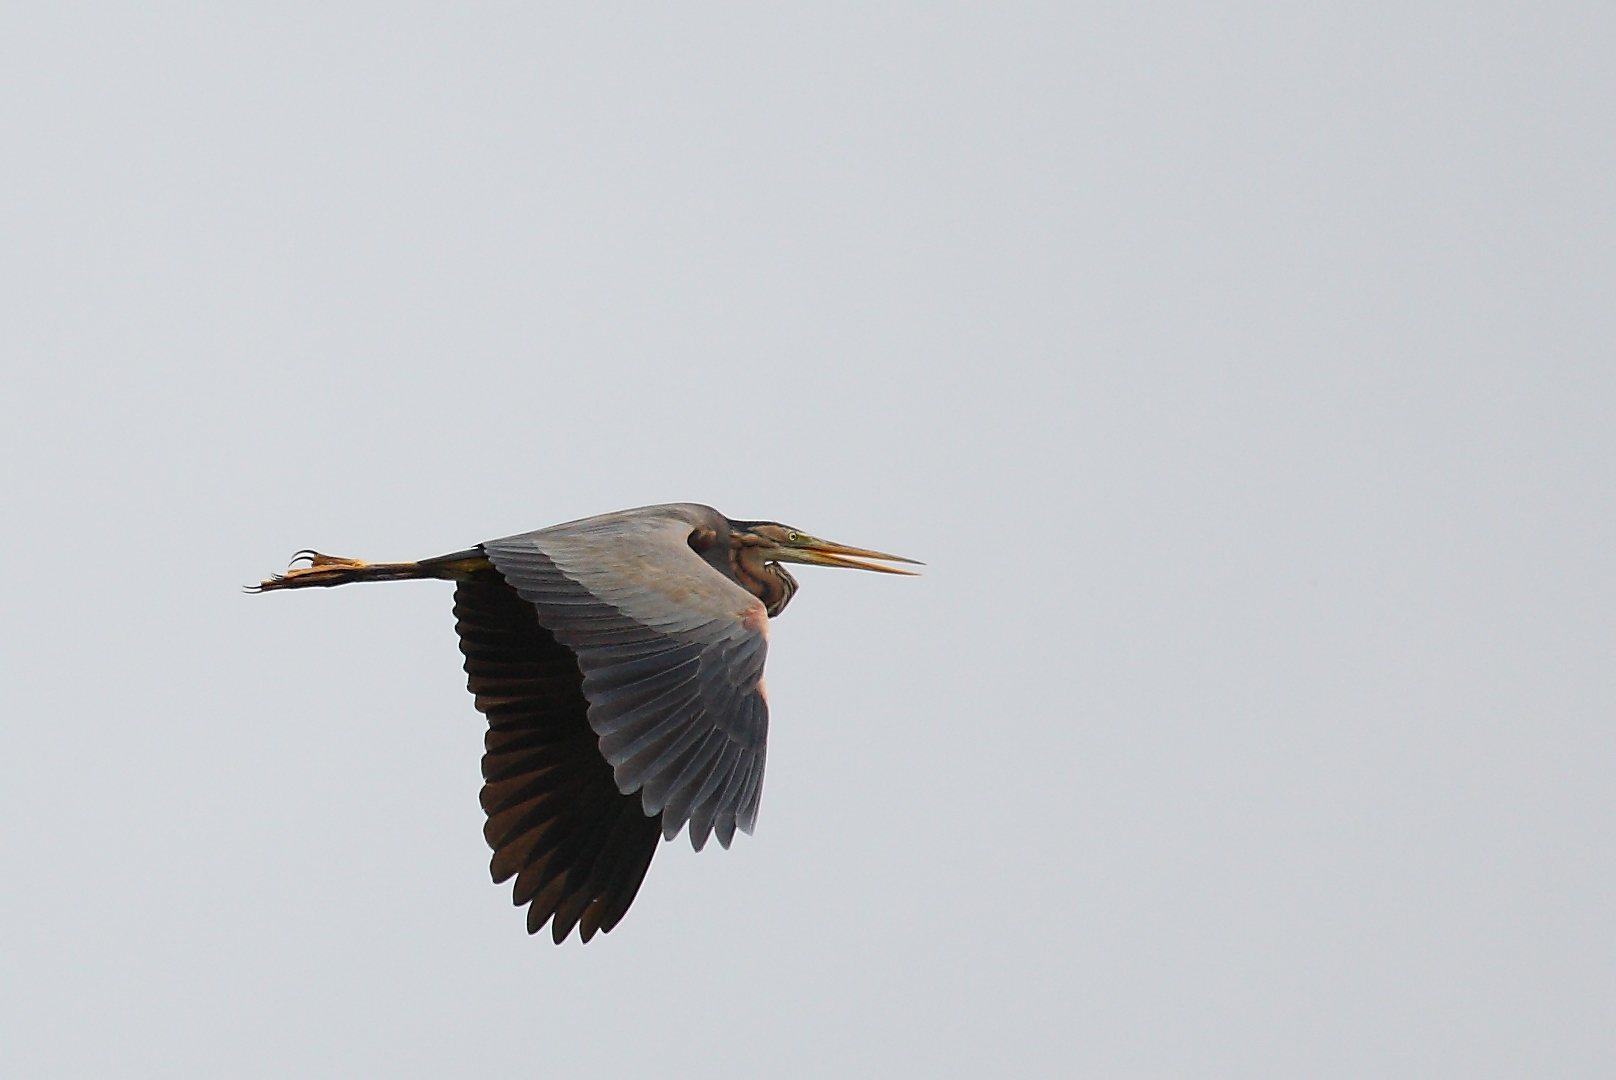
(758,547)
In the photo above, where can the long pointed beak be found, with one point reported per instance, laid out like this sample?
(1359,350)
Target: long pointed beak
(824,553)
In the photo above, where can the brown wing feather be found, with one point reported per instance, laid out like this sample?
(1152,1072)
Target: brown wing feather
(578,847)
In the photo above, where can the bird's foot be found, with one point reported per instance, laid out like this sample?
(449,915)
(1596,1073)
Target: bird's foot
(317,570)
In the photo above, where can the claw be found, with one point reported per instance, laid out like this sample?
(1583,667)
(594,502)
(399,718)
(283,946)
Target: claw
(319,570)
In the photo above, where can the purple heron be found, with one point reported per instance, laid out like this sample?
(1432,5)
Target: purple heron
(619,661)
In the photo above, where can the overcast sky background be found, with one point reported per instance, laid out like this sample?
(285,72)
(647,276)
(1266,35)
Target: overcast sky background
(1243,373)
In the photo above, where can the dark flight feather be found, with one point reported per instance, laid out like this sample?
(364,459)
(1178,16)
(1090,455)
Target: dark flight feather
(578,847)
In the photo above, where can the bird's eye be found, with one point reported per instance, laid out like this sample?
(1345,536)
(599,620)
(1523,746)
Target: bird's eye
(794,537)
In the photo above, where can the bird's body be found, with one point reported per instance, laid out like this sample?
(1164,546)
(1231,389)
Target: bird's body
(619,660)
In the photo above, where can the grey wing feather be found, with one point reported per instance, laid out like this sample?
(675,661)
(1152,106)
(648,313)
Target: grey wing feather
(672,655)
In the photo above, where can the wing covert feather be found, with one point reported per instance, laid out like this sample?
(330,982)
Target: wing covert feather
(671,652)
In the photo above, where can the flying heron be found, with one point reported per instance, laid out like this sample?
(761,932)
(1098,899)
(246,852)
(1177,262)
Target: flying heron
(619,660)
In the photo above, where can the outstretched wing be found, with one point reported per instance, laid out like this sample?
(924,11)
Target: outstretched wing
(672,655)
(577,846)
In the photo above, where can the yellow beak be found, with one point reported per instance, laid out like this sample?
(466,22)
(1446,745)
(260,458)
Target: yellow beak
(825,553)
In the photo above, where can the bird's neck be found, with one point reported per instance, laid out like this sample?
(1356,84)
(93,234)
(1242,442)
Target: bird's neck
(767,581)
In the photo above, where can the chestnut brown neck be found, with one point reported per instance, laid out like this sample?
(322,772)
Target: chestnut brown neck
(767,581)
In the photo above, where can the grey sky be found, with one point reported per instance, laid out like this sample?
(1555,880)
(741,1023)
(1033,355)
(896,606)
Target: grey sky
(1243,374)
